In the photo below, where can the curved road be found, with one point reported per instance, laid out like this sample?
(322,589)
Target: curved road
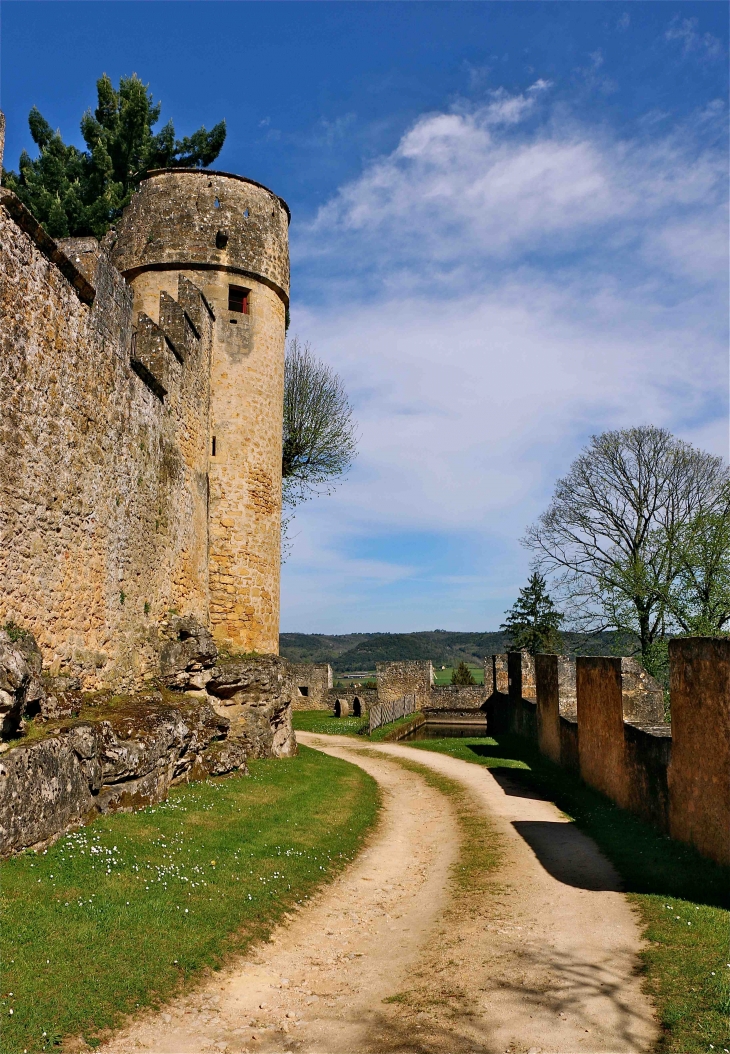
(390,957)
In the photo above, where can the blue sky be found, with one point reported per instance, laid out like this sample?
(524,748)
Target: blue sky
(509,233)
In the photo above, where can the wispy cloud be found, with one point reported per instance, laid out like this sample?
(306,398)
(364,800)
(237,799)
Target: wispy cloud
(685,32)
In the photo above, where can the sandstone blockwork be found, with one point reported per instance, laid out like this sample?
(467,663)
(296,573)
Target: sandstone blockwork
(141,382)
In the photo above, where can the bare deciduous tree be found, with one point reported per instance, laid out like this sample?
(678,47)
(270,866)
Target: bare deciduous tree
(613,528)
(320,441)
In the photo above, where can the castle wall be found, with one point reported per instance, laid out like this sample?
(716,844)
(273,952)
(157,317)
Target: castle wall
(222,230)
(103,485)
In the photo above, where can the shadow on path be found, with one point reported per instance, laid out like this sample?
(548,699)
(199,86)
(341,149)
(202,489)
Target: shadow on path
(569,855)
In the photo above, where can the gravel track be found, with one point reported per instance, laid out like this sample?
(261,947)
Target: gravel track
(389,957)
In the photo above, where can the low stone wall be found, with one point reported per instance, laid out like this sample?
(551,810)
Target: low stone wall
(458,697)
(405,730)
(126,758)
(311,685)
(603,717)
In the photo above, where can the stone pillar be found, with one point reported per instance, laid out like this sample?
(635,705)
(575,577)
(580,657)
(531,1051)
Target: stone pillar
(699,771)
(548,706)
(501,674)
(601,725)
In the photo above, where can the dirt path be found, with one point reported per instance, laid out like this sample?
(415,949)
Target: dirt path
(389,958)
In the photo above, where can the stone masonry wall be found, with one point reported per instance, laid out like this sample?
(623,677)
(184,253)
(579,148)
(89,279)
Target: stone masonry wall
(103,484)
(411,677)
(311,681)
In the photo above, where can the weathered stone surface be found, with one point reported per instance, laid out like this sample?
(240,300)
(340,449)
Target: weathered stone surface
(126,759)
(699,774)
(104,488)
(15,680)
(311,685)
(410,677)
(35,692)
(188,654)
(221,758)
(63,696)
(255,694)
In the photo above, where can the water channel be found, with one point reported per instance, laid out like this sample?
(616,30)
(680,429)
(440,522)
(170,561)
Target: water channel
(450,730)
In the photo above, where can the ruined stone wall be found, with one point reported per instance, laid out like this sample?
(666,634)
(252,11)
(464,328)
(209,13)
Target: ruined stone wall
(411,677)
(103,481)
(221,231)
(311,682)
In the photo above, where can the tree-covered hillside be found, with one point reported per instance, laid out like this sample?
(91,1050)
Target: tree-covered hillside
(361,651)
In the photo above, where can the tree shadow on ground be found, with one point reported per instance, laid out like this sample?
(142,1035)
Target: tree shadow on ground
(591,996)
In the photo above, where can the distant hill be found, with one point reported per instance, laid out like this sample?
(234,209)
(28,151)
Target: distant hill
(360,651)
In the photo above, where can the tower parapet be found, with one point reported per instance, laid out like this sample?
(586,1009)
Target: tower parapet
(229,236)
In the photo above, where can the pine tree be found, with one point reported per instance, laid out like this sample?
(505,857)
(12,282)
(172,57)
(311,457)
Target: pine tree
(532,624)
(76,192)
(462,674)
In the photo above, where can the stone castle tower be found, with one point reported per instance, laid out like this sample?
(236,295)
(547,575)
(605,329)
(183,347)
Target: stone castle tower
(229,236)
(140,443)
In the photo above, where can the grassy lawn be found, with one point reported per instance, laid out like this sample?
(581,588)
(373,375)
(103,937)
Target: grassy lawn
(120,914)
(325,723)
(441,677)
(682,899)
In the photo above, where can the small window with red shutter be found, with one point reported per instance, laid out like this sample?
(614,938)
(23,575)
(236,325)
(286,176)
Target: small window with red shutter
(238,299)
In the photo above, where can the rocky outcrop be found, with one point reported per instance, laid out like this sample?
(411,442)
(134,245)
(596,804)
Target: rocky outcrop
(103,753)
(254,693)
(14,681)
(21,685)
(188,654)
(125,759)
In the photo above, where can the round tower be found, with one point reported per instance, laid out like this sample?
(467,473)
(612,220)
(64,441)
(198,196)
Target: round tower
(228,235)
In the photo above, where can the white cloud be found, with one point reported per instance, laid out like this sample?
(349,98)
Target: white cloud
(459,188)
(514,291)
(684,30)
